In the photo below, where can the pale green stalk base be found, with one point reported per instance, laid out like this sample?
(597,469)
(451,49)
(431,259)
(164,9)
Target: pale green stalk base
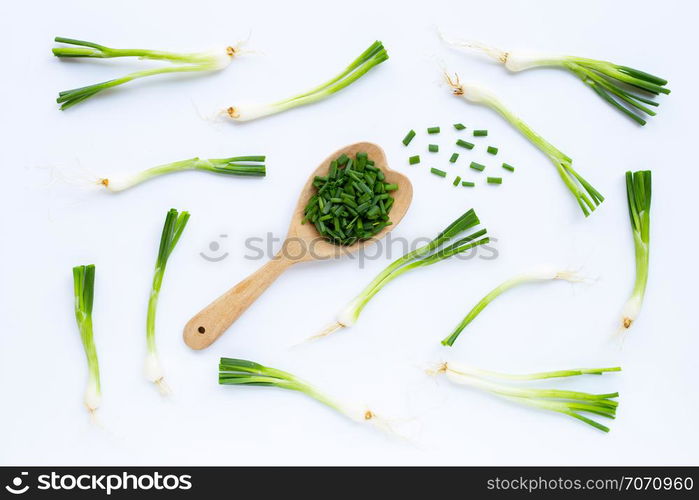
(83,287)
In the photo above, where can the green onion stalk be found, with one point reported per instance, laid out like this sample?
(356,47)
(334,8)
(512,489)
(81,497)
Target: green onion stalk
(212,60)
(374,55)
(243,372)
(172,230)
(628,90)
(431,253)
(237,165)
(84,289)
(571,403)
(638,193)
(538,275)
(587,196)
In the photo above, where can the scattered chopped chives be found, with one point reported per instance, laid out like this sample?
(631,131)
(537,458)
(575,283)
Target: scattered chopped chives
(459,126)
(480,133)
(494,180)
(433,148)
(433,130)
(464,144)
(414,159)
(492,150)
(477,166)
(508,167)
(468,184)
(409,137)
(454,157)
(438,172)
(457,180)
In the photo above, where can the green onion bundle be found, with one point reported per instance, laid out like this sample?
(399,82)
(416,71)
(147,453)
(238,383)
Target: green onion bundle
(374,55)
(627,89)
(172,230)
(84,289)
(181,62)
(426,255)
(352,202)
(638,192)
(237,165)
(587,196)
(571,403)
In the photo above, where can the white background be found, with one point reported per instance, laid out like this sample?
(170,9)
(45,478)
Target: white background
(49,225)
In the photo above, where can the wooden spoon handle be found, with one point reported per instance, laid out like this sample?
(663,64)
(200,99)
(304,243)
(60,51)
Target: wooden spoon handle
(211,322)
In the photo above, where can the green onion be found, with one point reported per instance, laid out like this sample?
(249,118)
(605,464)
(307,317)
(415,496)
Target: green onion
(456,181)
(459,126)
(413,160)
(468,184)
(438,172)
(508,167)
(433,148)
(492,150)
(571,403)
(237,165)
(172,230)
(431,253)
(587,196)
(539,275)
(84,290)
(182,62)
(626,89)
(494,180)
(638,195)
(243,372)
(477,166)
(454,157)
(464,144)
(433,130)
(374,55)
(480,133)
(408,137)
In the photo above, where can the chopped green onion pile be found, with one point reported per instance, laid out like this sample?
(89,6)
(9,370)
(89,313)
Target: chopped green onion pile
(172,230)
(431,253)
(84,288)
(638,193)
(587,196)
(181,62)
(237,165)
(529,277)
(571,403)
(374,55)
(352,202)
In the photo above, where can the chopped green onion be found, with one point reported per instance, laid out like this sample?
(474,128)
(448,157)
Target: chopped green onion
(456,181)
(433,148)
(172,230)
(413,160)
(477,166)
(454,157)
(433,130)
(494,180)
(539,275)
(374,55)
(587,196)
(182,62)
(626,89)
(567,402)
(492,150)
(408,137)
(84,291)
(468,184)
(238,165)
(459,126)
(438,172)
(508,167)
(431,253)
(480,133)
(638,195)
(464,144)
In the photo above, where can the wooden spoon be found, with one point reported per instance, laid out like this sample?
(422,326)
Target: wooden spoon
(302,244)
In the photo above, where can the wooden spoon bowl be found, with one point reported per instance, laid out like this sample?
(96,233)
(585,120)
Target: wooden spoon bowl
(302,244)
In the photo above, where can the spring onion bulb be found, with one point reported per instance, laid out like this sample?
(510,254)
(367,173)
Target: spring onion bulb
(638,192)
(238,165)
(212,60)
(172,230)
(539,275)
(571,403)
(84,288)
(243,372)
(627,89)
(587,196)
(426,255)
(374,55)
